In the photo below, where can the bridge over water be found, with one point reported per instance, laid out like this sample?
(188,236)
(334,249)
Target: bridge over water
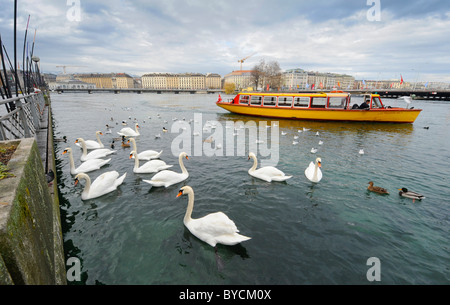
(443,95)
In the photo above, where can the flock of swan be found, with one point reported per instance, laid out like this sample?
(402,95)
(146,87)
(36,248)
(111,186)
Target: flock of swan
(213,228)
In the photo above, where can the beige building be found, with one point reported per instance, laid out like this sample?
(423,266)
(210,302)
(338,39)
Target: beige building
(213,81)
(186,81)
(242,79)
(107,80)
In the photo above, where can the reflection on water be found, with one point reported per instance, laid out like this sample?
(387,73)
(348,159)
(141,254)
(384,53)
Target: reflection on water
(301,232)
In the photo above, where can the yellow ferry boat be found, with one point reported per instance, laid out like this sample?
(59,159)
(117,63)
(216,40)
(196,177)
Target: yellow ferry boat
(333,106)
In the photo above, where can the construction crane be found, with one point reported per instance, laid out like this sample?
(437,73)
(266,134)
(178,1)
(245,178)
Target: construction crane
(245,58)
(64,67)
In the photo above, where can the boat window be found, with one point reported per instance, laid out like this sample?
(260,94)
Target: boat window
(284,101)
(256,100)
(270,100)
(318,102)
(337,102)
(301,101)
(244,99)
(376,103)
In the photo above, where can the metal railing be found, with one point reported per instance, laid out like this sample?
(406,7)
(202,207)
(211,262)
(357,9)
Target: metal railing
(24,120)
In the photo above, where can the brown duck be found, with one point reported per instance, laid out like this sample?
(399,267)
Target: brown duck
(376,189)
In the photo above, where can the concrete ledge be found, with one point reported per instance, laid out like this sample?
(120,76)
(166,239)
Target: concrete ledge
(30,241)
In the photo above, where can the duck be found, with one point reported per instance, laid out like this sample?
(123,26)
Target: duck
(167,178)
(95,154)
(128,132)
(152,166)
(85,167)
(125,144)
(215,228)
(376,189)
(313,150)
(361,151)
(313,172)
(146,154)
(63,139)
(404,192)
(103,184)
(91,144)
(267,173)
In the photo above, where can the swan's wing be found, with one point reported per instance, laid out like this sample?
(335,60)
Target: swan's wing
(149,154)
(99,153)
(215,224)
(91,165)
(269,171)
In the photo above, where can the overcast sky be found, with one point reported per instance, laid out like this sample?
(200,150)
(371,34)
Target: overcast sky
(379,40)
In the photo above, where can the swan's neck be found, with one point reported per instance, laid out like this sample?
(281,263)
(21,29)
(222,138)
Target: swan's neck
(183,169)
(190,207)
(316,170)
(255,163)
(87,187)
(134,146)
(72,163)
(83,145)
(98,139)
(136,161)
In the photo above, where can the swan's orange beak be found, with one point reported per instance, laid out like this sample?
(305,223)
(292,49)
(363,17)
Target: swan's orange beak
(101,133)
(64,152)
(180,193)
(76,141)
(187,157)
(320,164)
(131,156)
(76,182)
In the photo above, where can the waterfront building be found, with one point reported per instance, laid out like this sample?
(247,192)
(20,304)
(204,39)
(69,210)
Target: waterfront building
(122,81)
(242,79)
(187,81)
(70,84)
(294,79)
(213,81)
(107,80)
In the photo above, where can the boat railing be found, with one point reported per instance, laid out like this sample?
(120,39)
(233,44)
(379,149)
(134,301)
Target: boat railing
(22,118)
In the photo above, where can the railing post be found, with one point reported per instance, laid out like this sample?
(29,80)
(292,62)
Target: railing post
(34,112)
(23,119)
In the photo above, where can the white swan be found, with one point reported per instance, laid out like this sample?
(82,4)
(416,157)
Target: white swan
(267,173)
(313,172)
(91,144)
(95,154)
(85,167)
(167,178)
(128,132)
(214,228)
(152,166)
(146,154)
(103,184)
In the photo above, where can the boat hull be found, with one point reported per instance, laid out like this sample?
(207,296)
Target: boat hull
(387,115)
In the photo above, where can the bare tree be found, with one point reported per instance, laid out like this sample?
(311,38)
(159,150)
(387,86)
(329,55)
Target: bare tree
(266,74)
(257,74)
(273,74)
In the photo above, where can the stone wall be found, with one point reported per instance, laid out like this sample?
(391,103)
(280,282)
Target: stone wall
(31,249)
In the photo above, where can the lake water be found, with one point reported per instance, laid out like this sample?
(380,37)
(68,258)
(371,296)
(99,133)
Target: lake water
(302,233)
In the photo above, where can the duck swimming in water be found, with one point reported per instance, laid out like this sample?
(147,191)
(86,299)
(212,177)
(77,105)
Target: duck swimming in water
(376,189)
(409,194)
